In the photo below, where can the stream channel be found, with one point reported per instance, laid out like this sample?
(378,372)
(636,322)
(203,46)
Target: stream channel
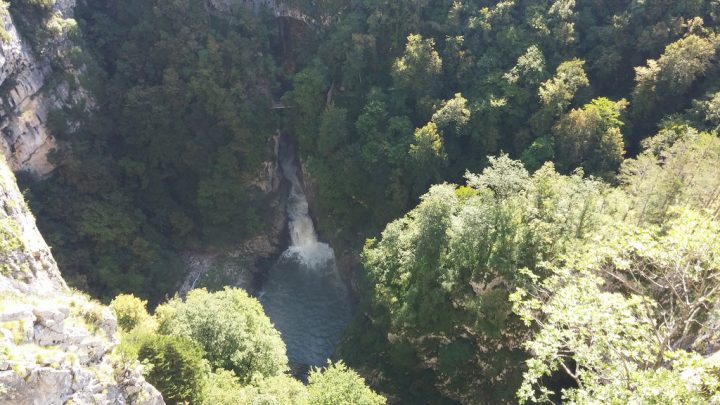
(303,293)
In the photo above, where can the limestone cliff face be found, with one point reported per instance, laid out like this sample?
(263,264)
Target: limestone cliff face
(56,345)
(26,97)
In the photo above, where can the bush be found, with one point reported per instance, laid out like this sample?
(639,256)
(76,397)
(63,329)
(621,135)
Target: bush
(232,329)
(223,387)
(175,366)
(337,384)
(130,311)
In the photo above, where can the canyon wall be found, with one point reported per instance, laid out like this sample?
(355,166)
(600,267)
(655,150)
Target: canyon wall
(27,94)
(56,345)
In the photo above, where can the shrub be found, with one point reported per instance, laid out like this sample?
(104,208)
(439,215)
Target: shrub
(337,384)
(130,311)
(175,366)
(232,329)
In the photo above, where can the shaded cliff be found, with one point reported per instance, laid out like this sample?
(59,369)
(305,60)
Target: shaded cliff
(38,73)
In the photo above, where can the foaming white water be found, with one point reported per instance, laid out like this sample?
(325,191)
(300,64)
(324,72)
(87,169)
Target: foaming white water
(315,256)
(302,230)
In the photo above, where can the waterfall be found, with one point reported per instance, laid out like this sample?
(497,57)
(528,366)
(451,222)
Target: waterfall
(303,294)
(303,238)
(302,230)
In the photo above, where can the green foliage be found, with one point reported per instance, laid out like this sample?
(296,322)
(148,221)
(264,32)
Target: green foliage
(530,67)
(40,4)
(192,350)
(660,82)
(395,66)
(613,286)
(232,329)
(677,68)
(279,389)
(428,146)
(336,384)
(678,166)
(130,311)
(618,316)
(221,387)
(9,235)
(166,160)
(404,93)
(44,27)
(446,268)
(540,151)
(590,138)
(556,93)
(175,367)
(417,68)
(333,130)
(307,101)
(453,116)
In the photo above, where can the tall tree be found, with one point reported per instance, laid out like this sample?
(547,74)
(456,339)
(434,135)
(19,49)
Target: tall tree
(590,138)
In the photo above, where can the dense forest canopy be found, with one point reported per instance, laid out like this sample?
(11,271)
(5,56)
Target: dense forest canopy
(165,160)
(532,188)
(440,85)
(519,277)
(406,94)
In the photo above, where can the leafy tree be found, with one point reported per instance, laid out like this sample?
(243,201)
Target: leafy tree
(176,368)
(232,329)
(221,387)
(393,20)
(540,151)
(427,154)
(442,274)
(620,317)
(562,13)
(182,115)
(659,81)
(130,311)
(557,93)
(333,132)
(677,167)
(530,67)
(307,105)
(590,138)
(280,389)
(428,146)
(416,70)
(453,116)
(336,384)
(176,135)
(603,341)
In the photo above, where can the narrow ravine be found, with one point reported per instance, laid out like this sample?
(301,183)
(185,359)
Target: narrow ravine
(303,293)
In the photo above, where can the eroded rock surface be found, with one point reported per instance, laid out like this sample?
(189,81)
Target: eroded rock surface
(56,345)
(26,97)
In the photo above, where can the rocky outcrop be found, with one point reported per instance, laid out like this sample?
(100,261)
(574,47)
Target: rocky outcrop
(56,345)
(26,98)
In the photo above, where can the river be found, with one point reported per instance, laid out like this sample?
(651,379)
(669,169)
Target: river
(303,293)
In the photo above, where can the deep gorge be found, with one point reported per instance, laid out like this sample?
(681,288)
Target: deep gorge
(303,293)
(359,201)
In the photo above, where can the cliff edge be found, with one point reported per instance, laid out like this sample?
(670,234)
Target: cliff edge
(56,345)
